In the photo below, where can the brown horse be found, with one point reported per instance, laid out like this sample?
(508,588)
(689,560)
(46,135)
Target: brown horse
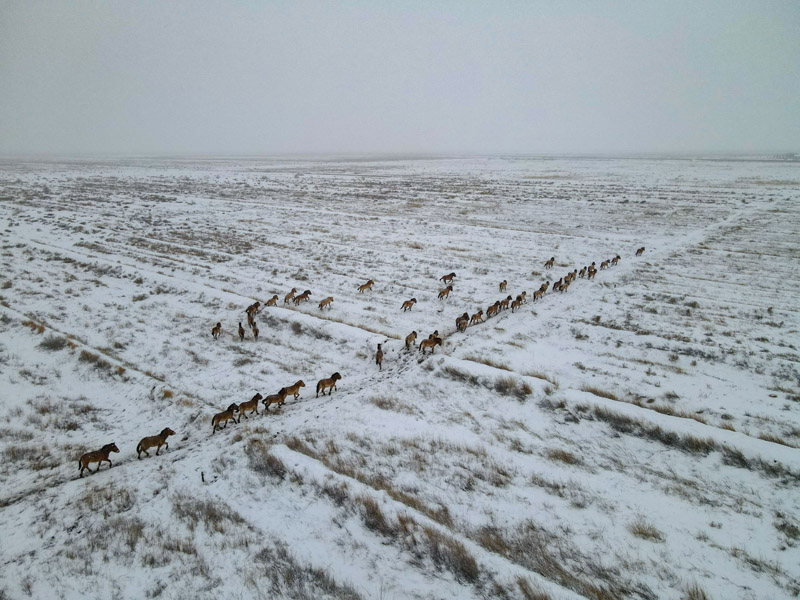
(503,285)
(476,318)
(326,302)
(379,357)
(154,440)
(445,292)
(98,456)
(290,296)
(408,304)
(640,251)
(294,390)
(462,322)
(328,384)
(241,332)
(447,278)
(504,303)
(430,343)
(493,309)
(251,405)
(366,286)
(549,264)
(302,297)
(223,417)
(411,339)
(272,301)
(278,398)
(216,330)
(255,332)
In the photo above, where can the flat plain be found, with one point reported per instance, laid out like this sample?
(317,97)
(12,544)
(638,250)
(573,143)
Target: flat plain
(633,437)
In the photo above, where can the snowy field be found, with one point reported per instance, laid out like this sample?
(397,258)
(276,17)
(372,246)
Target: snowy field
(634,437)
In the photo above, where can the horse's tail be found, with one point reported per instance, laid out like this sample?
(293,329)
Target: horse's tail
(139,447)
(318,384)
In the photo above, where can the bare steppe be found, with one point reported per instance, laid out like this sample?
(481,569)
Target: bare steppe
(634,437)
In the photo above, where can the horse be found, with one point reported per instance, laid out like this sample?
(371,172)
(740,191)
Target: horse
(430,343)
(278,398)
(290,296)
(379,357)
(328,384)
(408,304)
(326,302)
(216,330)
(223,417)
(98,456)
(154,440)
(503,285)
(411,339)
(447,278)
(366,286)
(445,292)
(295,389)
(462,322)
(251,405)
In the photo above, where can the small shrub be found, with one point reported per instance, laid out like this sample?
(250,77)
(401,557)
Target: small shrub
(53,343)
(262,461)
(373,516)
(641,528)
(458,375)
(451,554)
(297,328)
(563,456)
(95,360)
(510,386)
(35,327)
(694,591)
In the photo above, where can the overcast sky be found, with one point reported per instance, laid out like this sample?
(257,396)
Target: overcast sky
(259,77)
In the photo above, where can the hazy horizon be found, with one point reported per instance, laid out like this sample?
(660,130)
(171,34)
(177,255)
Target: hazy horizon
(254,79)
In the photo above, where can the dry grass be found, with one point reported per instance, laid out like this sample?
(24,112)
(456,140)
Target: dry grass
(392,404)
(694,592)
(599,392)
(215,515)
(53,343)
(487,361)
(511,386)
(542,375)
(262,461)
(563,456)
(35,327)
(641,528)
(547,554)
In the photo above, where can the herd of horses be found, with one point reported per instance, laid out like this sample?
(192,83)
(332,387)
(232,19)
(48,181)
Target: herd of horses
(220,420)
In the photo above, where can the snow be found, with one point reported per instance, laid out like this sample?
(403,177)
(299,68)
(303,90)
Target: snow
(661,397)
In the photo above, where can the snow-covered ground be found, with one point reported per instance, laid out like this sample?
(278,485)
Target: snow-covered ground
(634,437)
